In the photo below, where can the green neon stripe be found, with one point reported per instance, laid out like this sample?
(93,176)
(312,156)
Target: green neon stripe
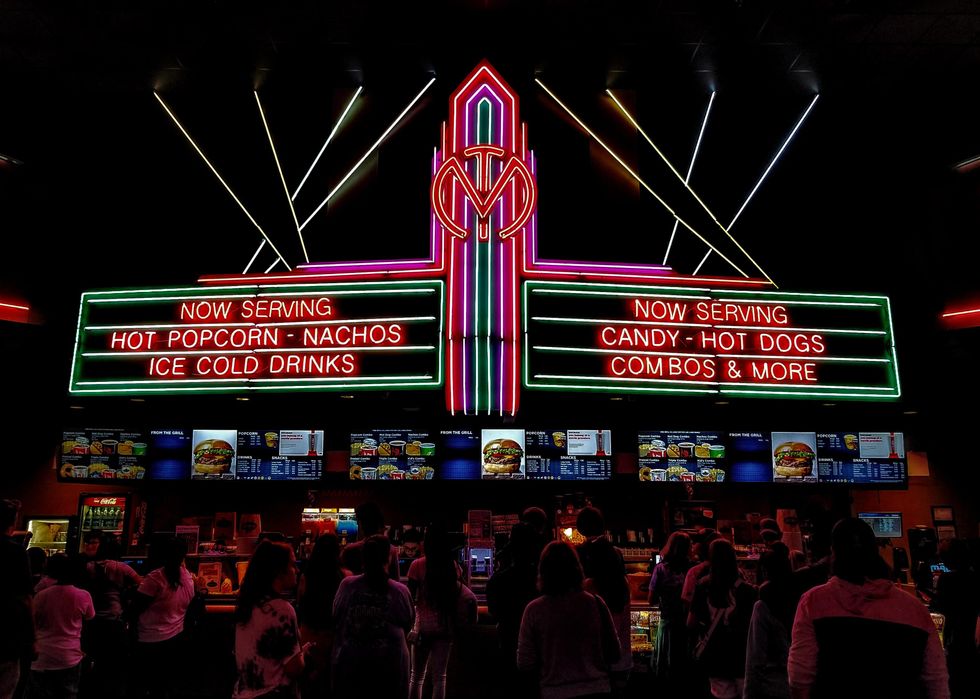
(484,119)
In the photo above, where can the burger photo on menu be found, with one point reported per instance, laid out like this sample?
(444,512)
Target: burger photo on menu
(794,457)
(213,454)
(503,454)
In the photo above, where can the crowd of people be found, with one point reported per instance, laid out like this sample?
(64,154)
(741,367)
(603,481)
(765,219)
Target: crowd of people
(346,626)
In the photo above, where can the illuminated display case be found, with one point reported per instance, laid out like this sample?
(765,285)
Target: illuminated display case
(644,622)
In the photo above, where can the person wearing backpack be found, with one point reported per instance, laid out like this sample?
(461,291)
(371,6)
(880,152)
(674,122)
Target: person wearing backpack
(720,615)
(443,606)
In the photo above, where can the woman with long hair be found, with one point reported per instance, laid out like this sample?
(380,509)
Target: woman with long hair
(666,584)
(373,615)
(442,605)
(767,651)
(161,603)
(318,585)
(608,581)
(567,635)
(720,613)
(267,649)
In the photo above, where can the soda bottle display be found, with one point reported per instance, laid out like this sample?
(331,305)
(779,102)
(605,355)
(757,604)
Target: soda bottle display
(599,443)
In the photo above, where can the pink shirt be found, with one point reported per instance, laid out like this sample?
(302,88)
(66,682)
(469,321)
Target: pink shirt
(58,615)
(164,618)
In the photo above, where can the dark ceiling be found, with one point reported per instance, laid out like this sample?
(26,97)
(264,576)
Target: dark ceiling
(865,198)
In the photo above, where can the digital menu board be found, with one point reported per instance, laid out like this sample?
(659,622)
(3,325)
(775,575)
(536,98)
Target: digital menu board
(279,455)
(886,525)
(459,455)
(213,454)
(503,455)
(861,457)
(682,456)
(102,455)
(794,456)
(392,455)
(568,455)
(750,457)
(168,453)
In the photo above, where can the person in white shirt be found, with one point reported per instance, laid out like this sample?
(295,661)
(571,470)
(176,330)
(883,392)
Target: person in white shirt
(59,612)
(160,606)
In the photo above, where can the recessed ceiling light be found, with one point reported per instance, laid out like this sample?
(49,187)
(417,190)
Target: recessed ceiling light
(721,402)
(616,398)
(138,400)
(77,407)
(829,405)
(347,396)
(911,412)
(241,398)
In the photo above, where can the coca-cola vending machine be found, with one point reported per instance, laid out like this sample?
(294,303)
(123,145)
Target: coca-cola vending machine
(109,513)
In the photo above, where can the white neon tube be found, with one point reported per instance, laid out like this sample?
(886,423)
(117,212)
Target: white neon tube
(690,168)
(282,178)
(637,177)
(220,178)
(326,143)
(367,154)
(765,173)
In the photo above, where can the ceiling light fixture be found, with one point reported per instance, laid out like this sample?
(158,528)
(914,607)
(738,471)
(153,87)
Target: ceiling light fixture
(282,178)
(635,176)
(764,174)
(220,178)
(368,153)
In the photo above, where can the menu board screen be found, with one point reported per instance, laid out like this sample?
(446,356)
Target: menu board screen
(392,455)
(568,455)
(213,454)
(503,455)
(794,456)
(861,457)
(750,457)
(886,525)
(169,450)
(682,456)
(102,455)
(460,457)
(279,455)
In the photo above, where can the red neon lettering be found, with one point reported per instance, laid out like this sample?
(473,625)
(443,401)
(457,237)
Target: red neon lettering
(799,343)
(784,372)
(168,366)
(223,366)
(679,368)
(379,334)
(205,310)
(224,338)
(740,314)
(286,309)
(722,340)
(639,338)
(655,309)
(312,365)
(135,341)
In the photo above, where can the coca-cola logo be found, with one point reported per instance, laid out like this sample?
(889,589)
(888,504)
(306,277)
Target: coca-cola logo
(105,501)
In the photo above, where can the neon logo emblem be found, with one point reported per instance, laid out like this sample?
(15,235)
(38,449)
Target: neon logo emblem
(485,194)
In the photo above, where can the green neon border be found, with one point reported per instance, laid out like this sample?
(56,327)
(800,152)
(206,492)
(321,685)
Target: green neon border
(596,384)
(167,294)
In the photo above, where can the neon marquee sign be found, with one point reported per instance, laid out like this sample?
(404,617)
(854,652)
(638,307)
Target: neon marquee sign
(483,315)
